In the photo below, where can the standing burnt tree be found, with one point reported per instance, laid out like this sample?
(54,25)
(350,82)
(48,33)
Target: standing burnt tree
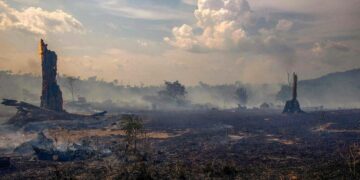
(242,96)
(51,96)
(71,83)
(293,105)
(174,92)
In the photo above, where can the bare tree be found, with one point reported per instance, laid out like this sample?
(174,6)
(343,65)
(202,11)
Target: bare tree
(242,95)
(289,79)
(71,81)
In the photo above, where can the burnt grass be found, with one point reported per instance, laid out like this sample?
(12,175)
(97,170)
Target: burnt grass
(219,145)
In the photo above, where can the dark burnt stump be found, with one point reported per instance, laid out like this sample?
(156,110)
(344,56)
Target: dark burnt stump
(293,105)
(51,97)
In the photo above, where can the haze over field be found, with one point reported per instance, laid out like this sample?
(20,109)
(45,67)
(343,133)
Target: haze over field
(213,41)
(327,91)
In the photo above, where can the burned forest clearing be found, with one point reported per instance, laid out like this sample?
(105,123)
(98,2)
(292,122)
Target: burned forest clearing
(59,126)
(174,138)
(211,144)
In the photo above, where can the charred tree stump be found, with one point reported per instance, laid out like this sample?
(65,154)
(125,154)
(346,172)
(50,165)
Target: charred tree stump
(51,107)
(51,96)
(293,106)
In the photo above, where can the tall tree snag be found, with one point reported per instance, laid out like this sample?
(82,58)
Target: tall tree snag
(293,105)
(51,96)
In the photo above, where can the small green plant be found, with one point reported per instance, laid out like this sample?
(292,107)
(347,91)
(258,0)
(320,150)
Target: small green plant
(133,127)
(351,156)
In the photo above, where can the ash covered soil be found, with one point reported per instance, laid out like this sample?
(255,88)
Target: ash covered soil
(191,145)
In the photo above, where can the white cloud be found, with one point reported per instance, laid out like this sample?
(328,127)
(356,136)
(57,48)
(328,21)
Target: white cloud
(190,2)
(222,23)
(284,25)
(317,48)
(155,12)
(321,47)
(28,2)
(112,26)
(142,43)
(37,20)
(183,38)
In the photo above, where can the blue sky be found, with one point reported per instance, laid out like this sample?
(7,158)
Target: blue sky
(214,41)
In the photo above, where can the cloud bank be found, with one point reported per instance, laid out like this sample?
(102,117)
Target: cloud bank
(230,25)
(222,24)
(145,11)
(214,41)
(38,21)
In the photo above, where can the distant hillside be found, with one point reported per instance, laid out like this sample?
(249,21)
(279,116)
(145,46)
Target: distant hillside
(340,89)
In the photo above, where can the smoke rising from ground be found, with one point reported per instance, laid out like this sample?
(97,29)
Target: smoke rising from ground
(327,91)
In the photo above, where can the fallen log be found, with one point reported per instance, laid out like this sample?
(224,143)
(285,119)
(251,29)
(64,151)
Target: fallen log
(30,113)
(63,156)
(5,162)
(100,114)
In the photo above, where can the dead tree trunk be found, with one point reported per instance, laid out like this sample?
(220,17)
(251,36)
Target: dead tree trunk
(293,105)
(51,97)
